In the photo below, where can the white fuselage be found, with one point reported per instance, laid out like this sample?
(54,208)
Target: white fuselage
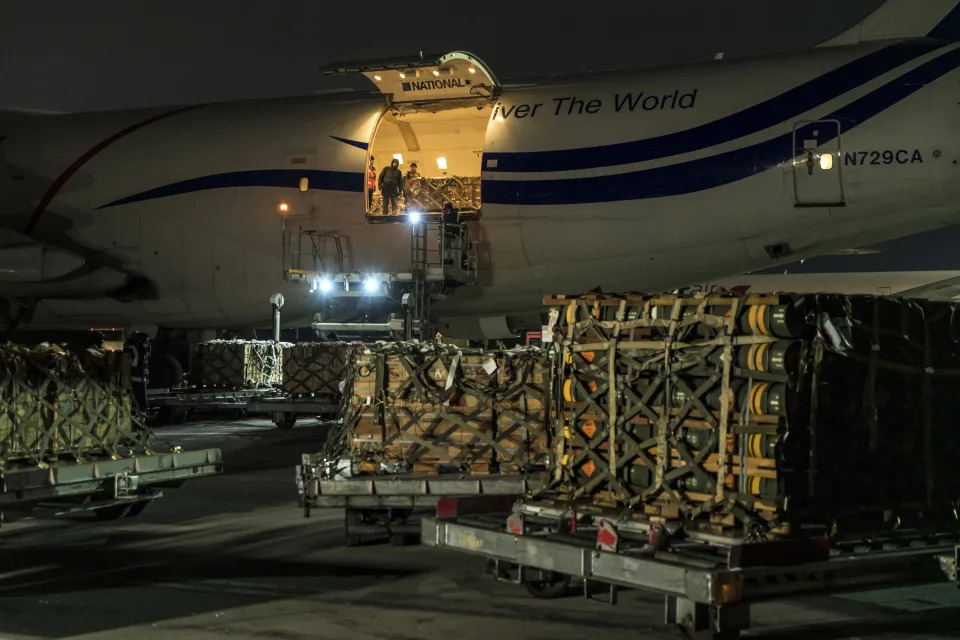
(586,183)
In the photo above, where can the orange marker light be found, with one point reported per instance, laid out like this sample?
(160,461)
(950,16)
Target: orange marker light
(283,207)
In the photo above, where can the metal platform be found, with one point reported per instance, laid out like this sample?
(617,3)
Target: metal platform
(107,478)
(206,398)
(305,406)
(409,490)
(707,588)
(378,505)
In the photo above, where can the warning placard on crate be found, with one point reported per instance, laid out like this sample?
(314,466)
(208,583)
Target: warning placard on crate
(490,366)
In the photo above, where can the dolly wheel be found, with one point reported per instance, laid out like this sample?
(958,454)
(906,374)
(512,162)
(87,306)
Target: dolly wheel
(285,420)
(553,585)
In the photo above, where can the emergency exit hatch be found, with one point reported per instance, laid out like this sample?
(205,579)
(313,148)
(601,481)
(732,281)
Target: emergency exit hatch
(436,112)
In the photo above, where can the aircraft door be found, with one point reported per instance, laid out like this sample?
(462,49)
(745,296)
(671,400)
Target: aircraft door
(817,166)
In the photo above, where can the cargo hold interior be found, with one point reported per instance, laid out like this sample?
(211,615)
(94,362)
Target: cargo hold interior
(445,141)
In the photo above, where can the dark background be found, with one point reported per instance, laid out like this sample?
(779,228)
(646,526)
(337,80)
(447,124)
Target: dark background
(71,55)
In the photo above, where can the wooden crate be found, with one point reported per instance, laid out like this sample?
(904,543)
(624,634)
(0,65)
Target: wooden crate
(756,415)
(522,408)
(434,408)
(315,368)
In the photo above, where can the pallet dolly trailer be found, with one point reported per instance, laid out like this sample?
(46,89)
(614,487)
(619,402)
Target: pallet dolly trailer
(112,488)
(173,404)
(708,583)
(375,505)
(284,410)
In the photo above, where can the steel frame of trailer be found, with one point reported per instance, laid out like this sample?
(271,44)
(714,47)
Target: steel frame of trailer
(284,410)
(106,480)
(704,597)
(177,402)
(385,495)
(318,407)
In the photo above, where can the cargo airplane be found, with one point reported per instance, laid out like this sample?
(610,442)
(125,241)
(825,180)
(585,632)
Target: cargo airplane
(172,218)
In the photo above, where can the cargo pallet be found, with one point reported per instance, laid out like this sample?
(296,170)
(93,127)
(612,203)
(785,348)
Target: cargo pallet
(284,411)
(707,582)
(382,504)
(172,405)
(112,487)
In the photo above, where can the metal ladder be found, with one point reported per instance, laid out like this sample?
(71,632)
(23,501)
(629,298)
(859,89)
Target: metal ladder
(420,262)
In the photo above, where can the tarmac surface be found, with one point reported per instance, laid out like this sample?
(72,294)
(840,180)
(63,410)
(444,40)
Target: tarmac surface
(233,557)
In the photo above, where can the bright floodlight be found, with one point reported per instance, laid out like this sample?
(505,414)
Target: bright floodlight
(414,217)
(326,285)
(371,285)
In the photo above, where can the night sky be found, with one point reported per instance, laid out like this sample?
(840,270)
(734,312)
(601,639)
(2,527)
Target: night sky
(68,55)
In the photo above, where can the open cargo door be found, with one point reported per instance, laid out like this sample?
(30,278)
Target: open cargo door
(419,78)
(434,124)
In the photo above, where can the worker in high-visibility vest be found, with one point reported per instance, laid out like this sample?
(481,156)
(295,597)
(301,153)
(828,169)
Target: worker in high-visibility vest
(371,184)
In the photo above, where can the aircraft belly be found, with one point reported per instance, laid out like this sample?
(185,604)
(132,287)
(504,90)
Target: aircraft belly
(162,257)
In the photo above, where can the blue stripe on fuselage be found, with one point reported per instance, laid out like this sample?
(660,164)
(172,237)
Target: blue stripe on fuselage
(712,171)
(283,178)
(687,177)
(352,143)
(949,27)
(786,106)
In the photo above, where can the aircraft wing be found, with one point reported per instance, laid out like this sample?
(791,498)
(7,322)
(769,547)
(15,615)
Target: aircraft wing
(52,266)
(947,290)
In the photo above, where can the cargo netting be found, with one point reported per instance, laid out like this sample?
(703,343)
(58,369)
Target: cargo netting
(60,404)
(435,408)
(237,364)
(758,416)
(314,369)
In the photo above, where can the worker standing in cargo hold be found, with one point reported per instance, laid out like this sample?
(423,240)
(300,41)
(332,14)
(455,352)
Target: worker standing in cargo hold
(371,184)
(391,186)
(411,188)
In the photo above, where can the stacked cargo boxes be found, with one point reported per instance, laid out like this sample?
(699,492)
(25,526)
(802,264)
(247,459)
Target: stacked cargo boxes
(315,369)
(237,364)
(521,406)
(758,417)
(433,408)
(57,403)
